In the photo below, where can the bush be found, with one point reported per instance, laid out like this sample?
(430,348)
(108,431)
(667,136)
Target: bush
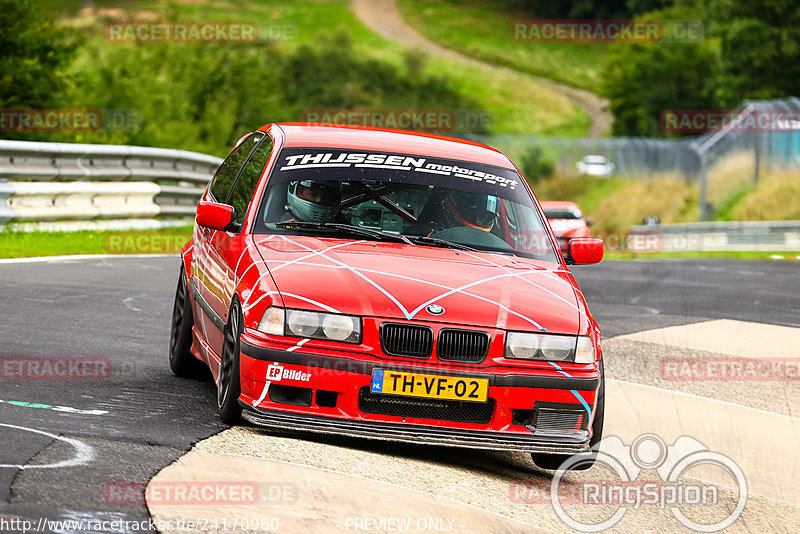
(534,166)
(204,97)
(777,198)
(33,55)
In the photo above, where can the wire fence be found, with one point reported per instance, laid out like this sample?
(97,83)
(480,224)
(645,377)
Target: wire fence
(756,136)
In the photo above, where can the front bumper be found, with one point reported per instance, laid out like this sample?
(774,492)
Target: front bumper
(420,434)
(310,377)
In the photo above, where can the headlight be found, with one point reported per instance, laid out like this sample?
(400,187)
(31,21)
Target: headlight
(584,352)
(309,324)
(302,323)
(272,321)
(549,347)
(339,327)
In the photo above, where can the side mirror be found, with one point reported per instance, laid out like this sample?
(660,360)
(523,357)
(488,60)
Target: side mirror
(589,221)
(584,251)
(214,215)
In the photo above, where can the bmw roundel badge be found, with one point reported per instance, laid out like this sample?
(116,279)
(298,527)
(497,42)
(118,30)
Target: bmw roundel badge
(435,309)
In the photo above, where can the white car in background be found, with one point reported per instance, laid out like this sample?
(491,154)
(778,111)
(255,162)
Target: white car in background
(592,165)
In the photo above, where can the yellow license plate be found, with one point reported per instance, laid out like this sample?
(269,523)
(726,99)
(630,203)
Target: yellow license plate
(430,386)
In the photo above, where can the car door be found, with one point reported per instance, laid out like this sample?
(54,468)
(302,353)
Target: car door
(204,261)
(226,247)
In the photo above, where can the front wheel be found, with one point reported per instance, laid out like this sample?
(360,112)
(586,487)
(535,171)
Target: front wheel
(228,384)
(585,460)
(181,360)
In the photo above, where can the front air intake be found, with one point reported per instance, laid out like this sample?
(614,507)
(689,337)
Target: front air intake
(412,341)
(462,345)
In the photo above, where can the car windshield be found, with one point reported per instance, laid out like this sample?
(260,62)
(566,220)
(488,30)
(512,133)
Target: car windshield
(416,199)
(564,213)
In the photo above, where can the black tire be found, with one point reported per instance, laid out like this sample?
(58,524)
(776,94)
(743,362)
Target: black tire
(554,461)
(181,360)
(228,383)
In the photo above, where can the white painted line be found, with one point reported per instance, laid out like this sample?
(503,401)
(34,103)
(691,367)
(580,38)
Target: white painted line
(83,452)
(299,344)
(62,409)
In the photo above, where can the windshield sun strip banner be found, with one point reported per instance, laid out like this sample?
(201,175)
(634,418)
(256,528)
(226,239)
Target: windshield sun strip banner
(320,158)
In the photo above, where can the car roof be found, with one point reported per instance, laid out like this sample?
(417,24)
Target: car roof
(298,134)
(558,204)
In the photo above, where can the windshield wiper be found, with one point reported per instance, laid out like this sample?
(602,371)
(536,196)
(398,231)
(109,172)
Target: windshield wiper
(435,242)
(376,234)
(346,228)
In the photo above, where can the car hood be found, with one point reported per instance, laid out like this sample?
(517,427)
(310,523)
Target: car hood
(400,281)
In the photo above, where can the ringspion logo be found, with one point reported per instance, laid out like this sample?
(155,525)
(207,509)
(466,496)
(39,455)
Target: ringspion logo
(628,488)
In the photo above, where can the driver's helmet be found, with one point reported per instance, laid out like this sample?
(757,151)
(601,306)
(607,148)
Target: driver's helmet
(314,201)
(473,209)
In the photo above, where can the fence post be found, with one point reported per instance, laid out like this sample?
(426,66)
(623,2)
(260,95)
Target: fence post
(756,157)
(702,176)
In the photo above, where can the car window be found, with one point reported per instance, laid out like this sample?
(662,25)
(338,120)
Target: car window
(242,192)
(227,172)
(565,213)
(467,203)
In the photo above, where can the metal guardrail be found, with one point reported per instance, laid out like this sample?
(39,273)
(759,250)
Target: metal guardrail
(80,182)
(717,237)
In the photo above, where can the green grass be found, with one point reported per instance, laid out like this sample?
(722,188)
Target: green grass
(481,28)
(515,103)
(29,244)
(740,255)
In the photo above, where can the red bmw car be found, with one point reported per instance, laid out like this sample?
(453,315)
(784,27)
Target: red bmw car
(567,221)
(390,285)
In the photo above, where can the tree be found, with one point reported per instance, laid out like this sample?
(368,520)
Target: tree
(759,45)
(590,9)
(643,80)
(34,52)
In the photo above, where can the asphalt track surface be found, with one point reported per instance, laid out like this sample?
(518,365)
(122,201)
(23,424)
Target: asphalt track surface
(126,425)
